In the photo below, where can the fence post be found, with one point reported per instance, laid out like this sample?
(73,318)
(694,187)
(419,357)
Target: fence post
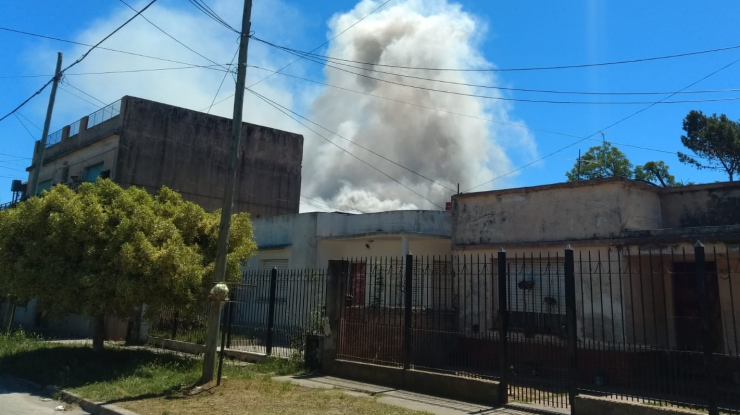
(230,317)
(271,311)
(570,317)
(175,317)
(707,327)
(336,278)
(503,329)
(407,310)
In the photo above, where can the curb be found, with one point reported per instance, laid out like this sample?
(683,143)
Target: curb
(95,408)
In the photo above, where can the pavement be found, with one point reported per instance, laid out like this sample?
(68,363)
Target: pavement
(17,398)
(410,400)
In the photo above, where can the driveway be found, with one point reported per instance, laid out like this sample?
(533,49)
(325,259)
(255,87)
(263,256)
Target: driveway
(18,399)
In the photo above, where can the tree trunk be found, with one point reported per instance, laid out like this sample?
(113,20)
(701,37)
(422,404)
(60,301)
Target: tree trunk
(98,332)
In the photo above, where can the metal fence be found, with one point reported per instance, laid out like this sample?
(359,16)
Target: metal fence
(656,326)
(274,311)
(97,117)
(271,312)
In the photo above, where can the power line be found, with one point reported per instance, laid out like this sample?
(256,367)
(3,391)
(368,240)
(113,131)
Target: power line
(80,59)
(461,114)
(24,127)
(211,67)
(540,68)
(277,106)
(539,101)
(19,157)
(542,91)
(172,37)
(323,203)
(79,97)
(325,43)
(203,7)
(222,81)
(606,128)
(83,92)
(29,121)
(366,149)
(101,48)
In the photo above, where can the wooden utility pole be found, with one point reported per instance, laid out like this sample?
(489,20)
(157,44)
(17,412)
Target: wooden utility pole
(214,317)
(33,185)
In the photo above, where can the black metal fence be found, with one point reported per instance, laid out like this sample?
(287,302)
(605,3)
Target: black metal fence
(656,326)
(270,312)
(274,311)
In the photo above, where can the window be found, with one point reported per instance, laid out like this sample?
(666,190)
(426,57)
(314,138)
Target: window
(275,263)
(93,172)
(45,185)
(536,292)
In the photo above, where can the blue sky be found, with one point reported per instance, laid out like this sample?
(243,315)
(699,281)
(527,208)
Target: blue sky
(491,34)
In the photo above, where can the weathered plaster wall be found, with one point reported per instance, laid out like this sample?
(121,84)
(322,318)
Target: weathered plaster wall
(310,240)
(187,151)
(703,205)
(572,211)
(103,150)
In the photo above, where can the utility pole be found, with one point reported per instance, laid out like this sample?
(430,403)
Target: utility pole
(33,186)
(214,316)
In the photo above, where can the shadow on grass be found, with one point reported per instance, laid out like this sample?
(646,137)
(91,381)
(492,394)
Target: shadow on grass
(73,366)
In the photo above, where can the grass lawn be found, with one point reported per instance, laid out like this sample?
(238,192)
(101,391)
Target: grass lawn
(152,383)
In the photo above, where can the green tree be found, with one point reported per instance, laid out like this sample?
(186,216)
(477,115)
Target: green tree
(599,162)
(714,139)
(102,250)
(656,172)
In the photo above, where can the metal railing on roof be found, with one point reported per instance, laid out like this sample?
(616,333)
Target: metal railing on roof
(97,117)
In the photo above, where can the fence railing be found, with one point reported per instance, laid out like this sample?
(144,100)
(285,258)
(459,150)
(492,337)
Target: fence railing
(270,312)
(655,326)
(97,117)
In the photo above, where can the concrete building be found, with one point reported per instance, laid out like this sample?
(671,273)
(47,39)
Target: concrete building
(634,244)
(137,142)
(310,240)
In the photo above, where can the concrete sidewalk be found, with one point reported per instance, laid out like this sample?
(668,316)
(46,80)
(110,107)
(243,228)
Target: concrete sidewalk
(410,400)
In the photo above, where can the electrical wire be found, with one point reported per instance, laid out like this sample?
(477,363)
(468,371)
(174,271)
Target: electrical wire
(80,59)
(323,203)
(79,97)
(222,81)
(365,148)
(540,68)
(606,128)
(101,48)
(325,43)
(277,107)
(541,91)
(211,67)
(539,101)
(203,7)
(67,83)
(18,157)
(461,114)
(29,121)
(24,127)
(172,37)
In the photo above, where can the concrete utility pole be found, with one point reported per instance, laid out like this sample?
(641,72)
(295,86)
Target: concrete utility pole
(214,317)
(33,186)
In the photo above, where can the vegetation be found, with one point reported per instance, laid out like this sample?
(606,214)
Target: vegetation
(608,161)
(159,382)
(714,140)
(102,250)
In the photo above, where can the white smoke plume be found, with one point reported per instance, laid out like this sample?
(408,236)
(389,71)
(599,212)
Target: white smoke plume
(446,148)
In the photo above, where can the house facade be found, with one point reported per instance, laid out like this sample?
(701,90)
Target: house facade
(136,142)
(634,258)
(310,240)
